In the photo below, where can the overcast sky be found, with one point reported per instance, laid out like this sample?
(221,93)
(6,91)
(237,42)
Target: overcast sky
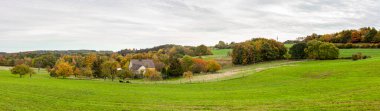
(118,24)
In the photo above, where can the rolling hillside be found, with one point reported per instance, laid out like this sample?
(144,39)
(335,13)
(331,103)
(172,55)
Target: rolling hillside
(308,85)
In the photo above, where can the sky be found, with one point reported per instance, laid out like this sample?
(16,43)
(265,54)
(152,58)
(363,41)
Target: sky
(27,25)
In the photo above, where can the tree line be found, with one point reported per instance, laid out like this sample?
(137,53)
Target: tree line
(362,35)
(257,50)
(173,62)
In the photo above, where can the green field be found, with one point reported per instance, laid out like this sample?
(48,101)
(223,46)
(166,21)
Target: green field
(306,85)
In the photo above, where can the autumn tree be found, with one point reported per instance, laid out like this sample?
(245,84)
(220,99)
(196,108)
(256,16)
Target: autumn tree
(64,69)
(109,69)
(355,37)
(22,70)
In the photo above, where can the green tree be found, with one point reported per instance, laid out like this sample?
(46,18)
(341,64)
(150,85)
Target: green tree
(109,69)
(321,50)
(175,68)
(22,70)
(377,38)
(125,72)
(297,51)
(369,37)
(202,50)
(187,63)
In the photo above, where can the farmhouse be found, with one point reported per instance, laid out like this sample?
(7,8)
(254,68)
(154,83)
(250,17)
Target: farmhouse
(139,66)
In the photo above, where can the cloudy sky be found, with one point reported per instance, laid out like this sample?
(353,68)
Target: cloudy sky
(118,24)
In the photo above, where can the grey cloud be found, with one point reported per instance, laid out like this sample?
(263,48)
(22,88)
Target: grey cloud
(119,24)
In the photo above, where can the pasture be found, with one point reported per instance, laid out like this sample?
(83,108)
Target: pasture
(305,85)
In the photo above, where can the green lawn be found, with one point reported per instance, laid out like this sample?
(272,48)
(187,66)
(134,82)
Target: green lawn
(218,54)
(309,85)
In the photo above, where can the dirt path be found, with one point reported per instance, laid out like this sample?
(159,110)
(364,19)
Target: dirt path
(226,74)
(238,71)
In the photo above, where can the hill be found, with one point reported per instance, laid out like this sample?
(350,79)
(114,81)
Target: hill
(309,85)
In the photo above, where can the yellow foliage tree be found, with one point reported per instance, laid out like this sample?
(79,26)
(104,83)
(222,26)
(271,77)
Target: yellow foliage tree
(64,69)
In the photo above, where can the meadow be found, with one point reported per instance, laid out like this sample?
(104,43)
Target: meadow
(305,85)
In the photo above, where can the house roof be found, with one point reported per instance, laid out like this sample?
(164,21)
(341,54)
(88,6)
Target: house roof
(136,64)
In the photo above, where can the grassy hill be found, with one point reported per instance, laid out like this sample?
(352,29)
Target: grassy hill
(309,85)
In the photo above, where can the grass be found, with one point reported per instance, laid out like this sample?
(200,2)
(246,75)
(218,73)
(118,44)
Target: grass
(218,54)
(310,85)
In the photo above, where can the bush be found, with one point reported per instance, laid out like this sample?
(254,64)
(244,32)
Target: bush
(213,66)
(349,46)
(152,74)
(357,56)
(328,51)
(297,51)
(199,65)
(321,50)
(188,75)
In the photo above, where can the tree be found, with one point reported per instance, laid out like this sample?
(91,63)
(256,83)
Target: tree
(221,45)
(43,61)
(63,69)
(175,68)
(125,72)
(355,37)
(188,75)
(257,50)
(109,69)
(202,50)
(22,70)
(186,63)
(213,66)
(87,72)
(297,51)
(376,39)
(370,35)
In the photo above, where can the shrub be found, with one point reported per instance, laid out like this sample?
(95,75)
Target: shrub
(328,51)
(213,66)
(357,56)
(188,75)
(152,74)
(321,50)
(297,51)
(199,65)
(349,46)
